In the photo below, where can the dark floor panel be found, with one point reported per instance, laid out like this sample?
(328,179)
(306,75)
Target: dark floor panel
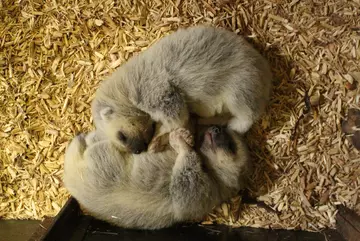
(72,225)
(99,231)
(17,230)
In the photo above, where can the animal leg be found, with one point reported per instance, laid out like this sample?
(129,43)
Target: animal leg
(190,186)
(241,124)
(161,139)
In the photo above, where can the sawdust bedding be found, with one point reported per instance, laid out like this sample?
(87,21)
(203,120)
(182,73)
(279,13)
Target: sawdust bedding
(53,54)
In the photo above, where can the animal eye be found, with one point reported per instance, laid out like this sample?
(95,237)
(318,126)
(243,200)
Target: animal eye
(121,136)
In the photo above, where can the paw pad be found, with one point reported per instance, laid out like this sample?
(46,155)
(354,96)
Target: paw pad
(181,137)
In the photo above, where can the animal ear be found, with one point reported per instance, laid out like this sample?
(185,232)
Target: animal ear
(106,113)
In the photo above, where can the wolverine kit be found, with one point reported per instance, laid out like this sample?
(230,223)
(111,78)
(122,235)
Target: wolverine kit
(157,157)
(156,114)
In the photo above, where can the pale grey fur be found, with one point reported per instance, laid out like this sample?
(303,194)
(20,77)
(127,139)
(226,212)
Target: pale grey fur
(203,70)
(151,191)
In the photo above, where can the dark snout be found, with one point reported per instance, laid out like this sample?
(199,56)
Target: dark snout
(218,134)
(137,146)
(221,138)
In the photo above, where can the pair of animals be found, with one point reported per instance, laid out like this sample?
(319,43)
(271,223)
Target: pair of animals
(202,71)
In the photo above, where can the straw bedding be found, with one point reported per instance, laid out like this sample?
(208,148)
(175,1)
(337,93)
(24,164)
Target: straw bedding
(53,54)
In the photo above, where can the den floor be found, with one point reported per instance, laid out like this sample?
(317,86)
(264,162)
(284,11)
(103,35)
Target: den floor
(54,54)
(72,225)
(17,230)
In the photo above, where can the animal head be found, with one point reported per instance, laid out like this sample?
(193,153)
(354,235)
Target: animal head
(221,144)
(132,132)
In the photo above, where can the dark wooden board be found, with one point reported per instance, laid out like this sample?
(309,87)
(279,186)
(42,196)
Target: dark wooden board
(348,223)
(71,225)
(63,226)
(99,231)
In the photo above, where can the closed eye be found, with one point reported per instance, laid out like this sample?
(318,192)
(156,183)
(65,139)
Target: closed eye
(121,136)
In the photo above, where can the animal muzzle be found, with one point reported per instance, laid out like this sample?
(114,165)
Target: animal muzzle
(222,139)
(216,131)
(219,135)
(138,146)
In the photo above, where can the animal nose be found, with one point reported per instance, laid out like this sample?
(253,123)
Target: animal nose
(138,146)
(138,151)
(216,129)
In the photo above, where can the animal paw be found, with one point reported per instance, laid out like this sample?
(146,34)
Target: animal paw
(181,139)
(156,145)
